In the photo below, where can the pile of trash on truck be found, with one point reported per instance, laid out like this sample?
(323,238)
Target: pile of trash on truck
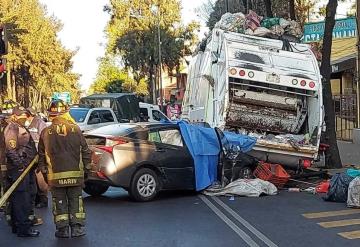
(256,25)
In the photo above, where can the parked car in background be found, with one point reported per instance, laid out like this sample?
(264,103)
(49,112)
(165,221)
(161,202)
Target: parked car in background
(151,113)
(92,118)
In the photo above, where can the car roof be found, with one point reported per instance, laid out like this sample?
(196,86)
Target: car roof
(108,95)
(92,108)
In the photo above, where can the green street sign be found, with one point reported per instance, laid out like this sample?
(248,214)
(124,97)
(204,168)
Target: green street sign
(64,96)
(344,28)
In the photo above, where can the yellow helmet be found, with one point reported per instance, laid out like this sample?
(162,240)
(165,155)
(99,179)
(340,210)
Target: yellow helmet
(8,106)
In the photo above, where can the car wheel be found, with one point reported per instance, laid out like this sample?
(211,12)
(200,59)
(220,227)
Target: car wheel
(95,189)
(144,185)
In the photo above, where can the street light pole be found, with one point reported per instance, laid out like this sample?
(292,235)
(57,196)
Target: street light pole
(160,59)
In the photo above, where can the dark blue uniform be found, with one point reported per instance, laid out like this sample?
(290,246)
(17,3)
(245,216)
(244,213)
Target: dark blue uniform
(20,151)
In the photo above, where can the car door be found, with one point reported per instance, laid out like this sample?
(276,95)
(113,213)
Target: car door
(106,117)
(94,121)
(173,157)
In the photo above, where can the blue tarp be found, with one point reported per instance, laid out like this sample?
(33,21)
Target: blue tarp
(204,147)
(244,142)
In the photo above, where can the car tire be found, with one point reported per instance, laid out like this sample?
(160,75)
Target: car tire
(145,185)
(95,189)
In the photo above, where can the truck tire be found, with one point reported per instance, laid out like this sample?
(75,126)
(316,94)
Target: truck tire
(145,185)
(95,189)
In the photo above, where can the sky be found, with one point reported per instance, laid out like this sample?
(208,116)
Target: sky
(84,22)
(83,30)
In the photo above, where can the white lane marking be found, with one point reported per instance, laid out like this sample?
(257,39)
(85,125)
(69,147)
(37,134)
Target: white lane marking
(252,229)
(231,224)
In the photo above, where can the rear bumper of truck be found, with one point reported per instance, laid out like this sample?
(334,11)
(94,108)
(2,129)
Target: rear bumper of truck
(283,153)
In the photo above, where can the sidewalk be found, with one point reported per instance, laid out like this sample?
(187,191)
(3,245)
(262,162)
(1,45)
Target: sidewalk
(349,152)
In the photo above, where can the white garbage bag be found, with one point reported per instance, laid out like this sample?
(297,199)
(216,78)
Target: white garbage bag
(244,187)
(353,200)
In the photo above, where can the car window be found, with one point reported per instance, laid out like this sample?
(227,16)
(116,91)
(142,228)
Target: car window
(144,112)
(78,114)
(106,116)
(93,115)
(154,136)
(171,137)
(158,116)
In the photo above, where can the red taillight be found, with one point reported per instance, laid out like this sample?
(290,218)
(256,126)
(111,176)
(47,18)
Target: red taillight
(242,72)
(307,163)
(312,84)
(108,149)
(303,83)
(111,142)
(101,175)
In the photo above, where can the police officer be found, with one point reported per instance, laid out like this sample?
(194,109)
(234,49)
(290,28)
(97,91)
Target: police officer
(36,125)
(20,150)
(65,154)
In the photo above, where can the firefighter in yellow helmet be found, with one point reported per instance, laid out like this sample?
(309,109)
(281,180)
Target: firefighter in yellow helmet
(61,148)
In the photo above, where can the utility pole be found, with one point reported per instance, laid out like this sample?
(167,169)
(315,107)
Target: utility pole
(160,60)
(358,64)
(227,5)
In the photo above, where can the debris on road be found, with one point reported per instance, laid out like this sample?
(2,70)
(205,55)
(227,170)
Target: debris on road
(243,187)
(353,200)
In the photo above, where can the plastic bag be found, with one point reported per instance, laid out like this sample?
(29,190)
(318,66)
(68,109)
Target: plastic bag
(284,23)
(270,22)
(353,172)
(338,191)
(278,30)
(252,21)
(261,31)
(294,29)
(353,200)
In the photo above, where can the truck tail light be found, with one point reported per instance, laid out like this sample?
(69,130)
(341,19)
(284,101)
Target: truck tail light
(242,73)
(251,74)
(294,81)
(233,71)
(303,83)
(312,84)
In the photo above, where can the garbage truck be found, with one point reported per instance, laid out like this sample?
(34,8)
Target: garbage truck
(266,88)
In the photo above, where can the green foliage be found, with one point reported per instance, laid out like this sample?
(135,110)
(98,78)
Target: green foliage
(133,34)
(112,79)
(40,65)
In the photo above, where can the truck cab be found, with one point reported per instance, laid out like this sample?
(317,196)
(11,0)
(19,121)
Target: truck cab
(92,118)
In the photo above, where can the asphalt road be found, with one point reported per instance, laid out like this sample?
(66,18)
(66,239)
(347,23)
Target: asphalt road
(188,219)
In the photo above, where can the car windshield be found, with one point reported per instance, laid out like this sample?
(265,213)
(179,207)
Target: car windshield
(114,130)
(78,114)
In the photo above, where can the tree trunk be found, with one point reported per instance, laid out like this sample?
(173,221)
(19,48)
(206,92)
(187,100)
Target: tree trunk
(245,3)
(332,153)
(249,5)
(268,9)
(292,9)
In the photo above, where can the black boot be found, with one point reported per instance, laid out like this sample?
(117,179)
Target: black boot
(28,233)
(62,232)
(77,231)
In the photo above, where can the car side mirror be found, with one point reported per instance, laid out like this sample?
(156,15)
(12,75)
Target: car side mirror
(94,121)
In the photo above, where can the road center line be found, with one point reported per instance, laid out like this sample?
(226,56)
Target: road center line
(245,223)
(231,224)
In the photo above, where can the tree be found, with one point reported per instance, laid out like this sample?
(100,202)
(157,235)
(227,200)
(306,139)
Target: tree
(133,35)
(268,9)
(38,64)
(292,10)
(332,153)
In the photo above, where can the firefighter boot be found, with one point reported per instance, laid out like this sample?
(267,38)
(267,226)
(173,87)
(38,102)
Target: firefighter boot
(62,232)
(77,231)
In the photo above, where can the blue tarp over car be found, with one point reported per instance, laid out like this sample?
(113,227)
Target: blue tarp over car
(204,147)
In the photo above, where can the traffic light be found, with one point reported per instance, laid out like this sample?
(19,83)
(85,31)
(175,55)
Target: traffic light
(3,40)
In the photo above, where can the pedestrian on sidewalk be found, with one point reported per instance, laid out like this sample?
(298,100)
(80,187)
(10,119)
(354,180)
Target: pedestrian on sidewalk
(64,156)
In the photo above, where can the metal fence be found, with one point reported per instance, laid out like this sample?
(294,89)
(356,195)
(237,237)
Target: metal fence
(345,115)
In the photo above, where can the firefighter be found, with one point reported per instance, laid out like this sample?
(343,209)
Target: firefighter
(36,125)
(64,155)
(20,150)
